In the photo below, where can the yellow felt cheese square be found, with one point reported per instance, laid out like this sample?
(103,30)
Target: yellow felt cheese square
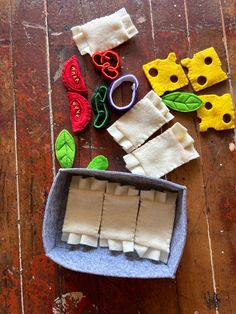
(165,74)
(217,112)
(204,69)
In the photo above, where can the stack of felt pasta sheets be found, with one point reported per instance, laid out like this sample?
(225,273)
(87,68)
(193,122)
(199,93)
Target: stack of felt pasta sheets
(119,217)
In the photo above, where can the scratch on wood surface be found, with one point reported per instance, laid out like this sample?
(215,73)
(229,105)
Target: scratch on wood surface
(141,20)
(32,25)
(212,301)
(49,89)
(68,302)
(211,258)
(151,17)
(57,74)
(56,33)
(232,147)
(187,24)
(27,35)
(17,172)
(210,245)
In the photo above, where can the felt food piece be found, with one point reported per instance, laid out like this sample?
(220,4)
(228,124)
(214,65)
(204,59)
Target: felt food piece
(217,112)
(204,69)
(184,102)
(115,84)
(155,224)
(165,74)
(140,122)
(120,210)
(72,77)
(104,33)
(65,149)
(100,107)
(99,162)
(162,154)
(108,62)
(80,111)
(83,211)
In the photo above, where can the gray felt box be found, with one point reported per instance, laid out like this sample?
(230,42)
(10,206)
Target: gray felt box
(101,261)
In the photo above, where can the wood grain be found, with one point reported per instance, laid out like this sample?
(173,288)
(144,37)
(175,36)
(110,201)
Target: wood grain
(33,150)
(10,291)
(217,160)
(198,280)
(61,49)
(35,41)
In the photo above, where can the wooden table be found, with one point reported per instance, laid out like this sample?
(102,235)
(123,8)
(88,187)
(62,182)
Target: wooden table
(35,41)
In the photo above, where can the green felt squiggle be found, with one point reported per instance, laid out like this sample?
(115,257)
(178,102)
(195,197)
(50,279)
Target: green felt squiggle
(99,162)
(65,149)
(184,102)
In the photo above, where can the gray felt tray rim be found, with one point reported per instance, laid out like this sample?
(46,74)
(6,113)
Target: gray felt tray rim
(101,261)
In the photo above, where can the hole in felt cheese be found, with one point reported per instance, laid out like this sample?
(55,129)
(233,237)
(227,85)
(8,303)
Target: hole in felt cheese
(174,78)
(201,80)
(226,118)
(199,120)
(153,72)
(208,60)
(208,105)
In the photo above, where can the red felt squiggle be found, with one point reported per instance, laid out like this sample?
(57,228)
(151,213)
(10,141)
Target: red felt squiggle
(72,77)
(108,62)
(80,111)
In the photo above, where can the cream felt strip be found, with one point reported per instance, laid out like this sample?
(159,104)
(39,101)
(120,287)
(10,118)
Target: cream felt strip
(83,211)
(140,122)
(155,224)
(164,153)
(104,33)
(120,210)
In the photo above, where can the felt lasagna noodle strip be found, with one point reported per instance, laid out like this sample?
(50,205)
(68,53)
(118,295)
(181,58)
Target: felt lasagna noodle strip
(119,217)
(140,122)
(164,153)
(83,211)
(155,225)
(104,33)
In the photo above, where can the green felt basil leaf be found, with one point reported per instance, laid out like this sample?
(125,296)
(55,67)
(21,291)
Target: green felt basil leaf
(184,102)
(99,162)
(65,149)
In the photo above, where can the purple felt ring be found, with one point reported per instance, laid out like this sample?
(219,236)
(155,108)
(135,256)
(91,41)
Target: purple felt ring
(117,83)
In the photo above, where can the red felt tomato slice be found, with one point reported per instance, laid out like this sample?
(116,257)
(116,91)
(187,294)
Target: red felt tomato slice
(80,111)
(72,77)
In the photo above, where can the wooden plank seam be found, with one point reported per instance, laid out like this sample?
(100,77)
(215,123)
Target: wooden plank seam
(227,57)
(49,89)
(206,214)
(17,170)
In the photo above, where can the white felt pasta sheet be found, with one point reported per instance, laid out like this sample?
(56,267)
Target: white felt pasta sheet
(155,224)
(83,211)
(162,154)
(119,216)
(104,33)
(140,122)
